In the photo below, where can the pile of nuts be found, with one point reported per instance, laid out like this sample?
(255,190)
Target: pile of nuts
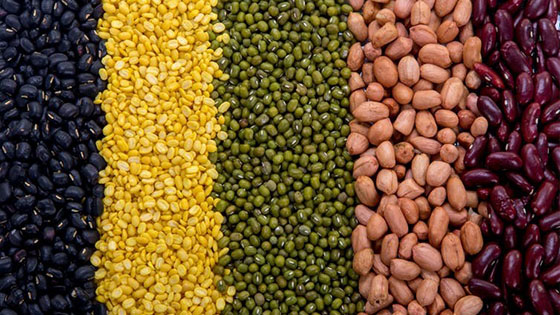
(413,66)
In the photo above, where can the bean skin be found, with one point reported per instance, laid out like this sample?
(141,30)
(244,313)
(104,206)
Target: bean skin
(535,8)
(547,32)
(496,223)
(507,76)
(555,299)
(551,247)
(514,142)
(533,261)
(491,92)
(525,36)
(553,66)
(502,134)
(478,12)
(510,237)
(540,298)
(489,75)
(556,157)
(493,58)
(493,144)
(513,56)
(504,24)
(498,308)
(532,164)
(484,289)
(539,59)
(543,88)
(511,274)
(544,197)
(525,88)
(522,218)
(488,38)
(542,147)
(550,221)
(512,6)
(529,121)
(503,161)
(476,151)
(485,260)
(479,177)
(551,276)
(531,236)
(552,12)
(490,110)
(552,131)
(551,112)
(502,203)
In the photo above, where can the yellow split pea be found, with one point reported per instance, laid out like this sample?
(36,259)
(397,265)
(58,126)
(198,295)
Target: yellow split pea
(159,231)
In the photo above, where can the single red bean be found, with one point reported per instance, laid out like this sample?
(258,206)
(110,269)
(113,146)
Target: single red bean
(553,67)
(544,197)
(533,261)
(552,12)
(520,182)
(506,75)
(478,12)
(549,37)
(540,298)
(474,155)
(556,157)
(555,92)
(493,58)
(551,276)
(550,112)
(555,299)
(501,203)
(490,110)
(532,235)
(504,24)
(502,133)
(488,37)
(488,257)
(514,141)
(529,122)
(496,224)
(539,59)
(525,36)
(550,221)
(551,247)
(532,164)
(522,219)
(479,177)
(535,8)
(542,147)
(500,161)
(515,59)
(493,144)
(484,289)
(525,88)
(511,5)
(483,193)
(485,227)
(517,18)
(492,4)
(494,274)
(492,93)
(497,308)
(552,131)
(489,75)
(543,87)
(511,272)
(550,176)
(510,237)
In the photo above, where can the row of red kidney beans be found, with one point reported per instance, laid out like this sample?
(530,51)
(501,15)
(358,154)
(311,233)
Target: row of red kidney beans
(516,166)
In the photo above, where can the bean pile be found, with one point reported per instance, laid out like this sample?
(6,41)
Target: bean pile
(49,195)
(285,181)
(516,168)
(158,230)
(414,120)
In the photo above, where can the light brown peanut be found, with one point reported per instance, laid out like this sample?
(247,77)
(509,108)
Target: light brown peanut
(389,248)
(452,252)
(379,290)
(386,181)
(427,291)
(400,291)
(471,238)
(468,305)
(427,257)
(357,26)
(363,261)
(404,123)
(386,154)
(395,220)
(403,269)
(366,192)
(359,238)
(437,226)
(356,143)
(365,166)
(407,243)
(376,227)
(371,112)
(385,71)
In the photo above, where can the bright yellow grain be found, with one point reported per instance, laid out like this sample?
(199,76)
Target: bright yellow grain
(159,232)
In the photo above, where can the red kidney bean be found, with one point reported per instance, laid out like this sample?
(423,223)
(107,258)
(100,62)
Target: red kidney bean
(492,4)
(502,204)
(525,88)
(491,92)
(555,299)
(502,133)
(535,8)
(539,59)
(479,177)
(484,289)
(496,224)
(485,227)
(556,157)
(478,12)
(511,5)
(483,193)
(550,112)
(542,147)
(552,12)
(551,276)
(494,272)
(493,144)
(553,66)
(525,36)
(499,161)
(552,131)
(497,308)
(551,247)
(550,176)
(533,261)
(540,298)
(474,155)
(544,197)
(529,122)
(549,37)
(522,219)
(531,236)
(513,143)
(488,38)
(490,110)
(515,59)
(493,58)
(487,74)
(504,24)
(543,87)
(506,75)
(510,237)
(550,221)
(532,164)
(555,92)
(511,272)
(485,260)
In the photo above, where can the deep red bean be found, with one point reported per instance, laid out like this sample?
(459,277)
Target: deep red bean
(478,12)
(493,144)
(492,93)
(488,38)
(555,299)
(507,76)
(511,5)
(483,193)
(555,92)
(551,276)
(535,8)
(494,274)
(551,247)
(534,257)
(544,197)
(553,67)
(540,299)
(502,133)
(514,57)
(549,37)
(510,237)
(552,131)
(552,11)
(522,218)
(543,87)
(504,24)
(540,60)
(509,106)
(518,302)
(529,122)
(550,221)
(484,289)
(525,88)
(485,260)
(487,74)
(532,164)
(496,223)
(550,176)
(492,4)
(525,36)
(514,141)
(511,272)
(499,161)
(479,177)
(485,227)
(531,236)
(542,147)
(490,110)
(517,18)
(497,308)
(474,155)
(550,112)
(501,203)
(555,154)
(493,58)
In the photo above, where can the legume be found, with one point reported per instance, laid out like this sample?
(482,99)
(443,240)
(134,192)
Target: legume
(284,177)
(159,232)
(49,195)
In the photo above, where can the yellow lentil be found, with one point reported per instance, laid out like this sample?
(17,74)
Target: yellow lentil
(159,232)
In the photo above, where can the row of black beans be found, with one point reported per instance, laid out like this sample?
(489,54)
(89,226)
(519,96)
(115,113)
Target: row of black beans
(50,56)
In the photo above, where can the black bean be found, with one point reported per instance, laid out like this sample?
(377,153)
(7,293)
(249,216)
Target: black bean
(5,265)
